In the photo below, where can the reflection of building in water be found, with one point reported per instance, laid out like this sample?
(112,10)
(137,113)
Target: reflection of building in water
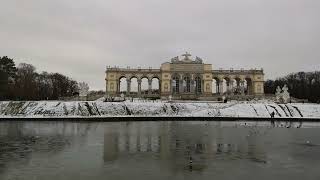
(129,138)
(111,148)
(179,145)
(176,146)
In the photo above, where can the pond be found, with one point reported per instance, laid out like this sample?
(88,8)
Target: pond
(159,150)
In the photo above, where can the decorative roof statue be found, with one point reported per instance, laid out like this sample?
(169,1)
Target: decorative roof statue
(175,59)
(198,60)
(186,57)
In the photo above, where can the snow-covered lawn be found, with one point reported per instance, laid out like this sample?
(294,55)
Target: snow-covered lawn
(157,108)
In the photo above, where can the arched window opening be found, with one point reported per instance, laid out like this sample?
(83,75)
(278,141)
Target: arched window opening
(198,84)
(214,86)
(134,85)
(144,85)
(123,85)
(175,84)
(155,86)
(186,84)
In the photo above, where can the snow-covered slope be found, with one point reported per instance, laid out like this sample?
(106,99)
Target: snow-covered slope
(193,109)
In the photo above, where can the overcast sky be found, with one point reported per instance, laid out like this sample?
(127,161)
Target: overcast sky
(80,37)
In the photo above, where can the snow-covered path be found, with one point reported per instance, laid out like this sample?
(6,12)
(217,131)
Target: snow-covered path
(146,109)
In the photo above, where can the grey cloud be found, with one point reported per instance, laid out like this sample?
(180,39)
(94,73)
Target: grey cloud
(79,38)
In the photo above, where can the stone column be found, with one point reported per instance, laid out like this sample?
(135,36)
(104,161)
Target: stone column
(117,86)
(160,87)
(202,86)
(139,87)
(196,87)
(217,87)
(128,86)
(172,87)
(192,86)
(231,86)
(242,87)
(228,86)
(238,86)
(221,87)
(107,92)
(149,86)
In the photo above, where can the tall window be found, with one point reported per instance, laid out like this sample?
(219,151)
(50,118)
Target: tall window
(198,84)
(176,85)
(187,84)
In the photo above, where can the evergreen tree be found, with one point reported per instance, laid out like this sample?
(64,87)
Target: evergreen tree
(7,75)
(8,66)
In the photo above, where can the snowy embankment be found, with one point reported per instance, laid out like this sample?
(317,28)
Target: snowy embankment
(39,109)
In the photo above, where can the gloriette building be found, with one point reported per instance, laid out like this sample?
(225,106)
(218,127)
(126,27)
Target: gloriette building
(185,78)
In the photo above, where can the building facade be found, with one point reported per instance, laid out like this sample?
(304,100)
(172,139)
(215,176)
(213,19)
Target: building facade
(186,78)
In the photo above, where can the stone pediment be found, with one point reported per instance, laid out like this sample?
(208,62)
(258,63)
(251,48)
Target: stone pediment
(186,59)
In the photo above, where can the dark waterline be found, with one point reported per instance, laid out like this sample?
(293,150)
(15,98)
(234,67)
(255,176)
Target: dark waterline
(159,150)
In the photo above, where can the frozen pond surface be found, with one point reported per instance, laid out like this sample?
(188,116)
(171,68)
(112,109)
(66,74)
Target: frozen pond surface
(159,150)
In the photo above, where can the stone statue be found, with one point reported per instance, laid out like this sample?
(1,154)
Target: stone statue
(175,59)
(186,57)
(198,60)
(278,94)
(83,89)
(285,94)
(282,95)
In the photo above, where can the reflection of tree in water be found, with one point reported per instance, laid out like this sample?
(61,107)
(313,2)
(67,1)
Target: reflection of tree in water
(19,140)
(287,124)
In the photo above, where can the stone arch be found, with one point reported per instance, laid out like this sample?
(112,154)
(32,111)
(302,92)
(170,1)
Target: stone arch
(150,76)
(226,85)
(123,85)
(133,84)
(232,85)
(248,86)
(144,84)
(237,87)
(155,76)
(133,76)
(155,85)
(214,88)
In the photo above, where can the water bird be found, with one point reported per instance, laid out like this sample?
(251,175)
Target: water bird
(308,143)
(190,163)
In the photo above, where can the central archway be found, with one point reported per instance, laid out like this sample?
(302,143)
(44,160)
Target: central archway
(187,84)
(155,85)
